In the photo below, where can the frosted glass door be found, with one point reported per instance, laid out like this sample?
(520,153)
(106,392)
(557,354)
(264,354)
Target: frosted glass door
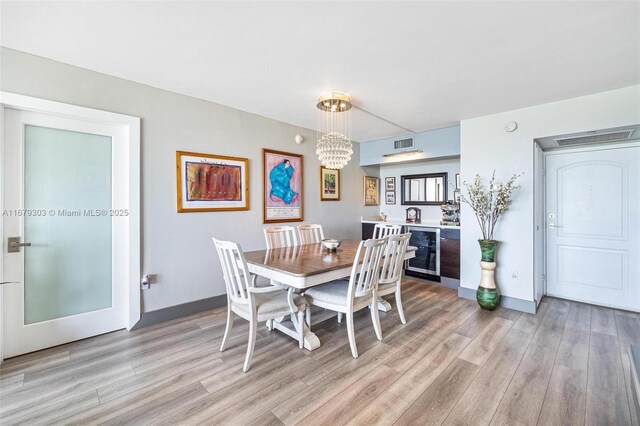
(67,203)
(66,230)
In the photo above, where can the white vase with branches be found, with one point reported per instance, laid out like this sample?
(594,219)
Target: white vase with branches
(488,204)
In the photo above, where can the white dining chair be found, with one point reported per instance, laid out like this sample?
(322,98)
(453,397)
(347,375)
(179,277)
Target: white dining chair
(391,270)
(382,230)
(280,236)
(255,304)
(359,292)
(310,234)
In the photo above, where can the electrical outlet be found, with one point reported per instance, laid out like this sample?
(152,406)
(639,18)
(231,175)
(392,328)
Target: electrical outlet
(144,283)
(514,275)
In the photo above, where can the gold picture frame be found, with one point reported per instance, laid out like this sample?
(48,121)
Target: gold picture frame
(211,183)
(329,184)
(371,191)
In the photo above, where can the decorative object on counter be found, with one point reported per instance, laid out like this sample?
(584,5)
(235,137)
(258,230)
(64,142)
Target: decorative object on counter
(390,184)
(458,181)
(390,197)
(382,217)
(456,197)
(371,191)
(331,244)
(413,215)
(329,184)
(450,213)
(489,205)
(209,183)
(281,186)
(429,189)
(334,147)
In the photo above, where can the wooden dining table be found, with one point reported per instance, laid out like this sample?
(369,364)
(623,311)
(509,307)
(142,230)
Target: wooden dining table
(304,266)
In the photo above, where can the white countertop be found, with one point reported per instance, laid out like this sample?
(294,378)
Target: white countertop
(424,223)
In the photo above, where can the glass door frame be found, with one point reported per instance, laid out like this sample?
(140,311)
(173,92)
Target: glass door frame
(128,134)
(436,232)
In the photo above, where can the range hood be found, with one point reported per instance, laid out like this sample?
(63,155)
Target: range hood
(602,136)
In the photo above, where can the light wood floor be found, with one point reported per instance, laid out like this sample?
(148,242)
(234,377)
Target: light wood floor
(451,364)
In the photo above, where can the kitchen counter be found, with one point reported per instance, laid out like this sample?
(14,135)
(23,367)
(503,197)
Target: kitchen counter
(425,223)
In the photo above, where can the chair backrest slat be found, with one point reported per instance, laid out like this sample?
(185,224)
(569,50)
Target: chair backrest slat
(280,236)
(235,271)
(382,230)
(391,269)
(310,234)
(364,276)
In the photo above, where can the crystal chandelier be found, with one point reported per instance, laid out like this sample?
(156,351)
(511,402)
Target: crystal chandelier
(334,130)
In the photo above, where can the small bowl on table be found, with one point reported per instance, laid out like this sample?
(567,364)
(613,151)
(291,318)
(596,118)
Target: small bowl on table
(331,244)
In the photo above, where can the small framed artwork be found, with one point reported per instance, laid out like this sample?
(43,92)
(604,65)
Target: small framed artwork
(457,180)
(329,184)
(456,196)
(281,186)
(390,197)
(390,184)
(371,191)
(209,183)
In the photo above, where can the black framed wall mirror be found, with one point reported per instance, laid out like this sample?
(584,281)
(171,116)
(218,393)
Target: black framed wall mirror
(424,190)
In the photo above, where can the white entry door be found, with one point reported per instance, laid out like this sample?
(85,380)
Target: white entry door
(593,226)
(65,230)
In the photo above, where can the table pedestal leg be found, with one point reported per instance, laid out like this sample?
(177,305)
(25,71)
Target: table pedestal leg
(383,305)
(285,325)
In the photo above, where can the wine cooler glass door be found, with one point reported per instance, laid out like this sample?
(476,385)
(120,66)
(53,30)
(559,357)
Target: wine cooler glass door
(427,241)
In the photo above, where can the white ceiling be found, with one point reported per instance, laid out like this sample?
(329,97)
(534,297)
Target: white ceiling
(422,65)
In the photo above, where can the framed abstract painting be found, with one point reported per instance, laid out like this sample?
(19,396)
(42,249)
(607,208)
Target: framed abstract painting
(281,186)
(329,184)
(371,191)
(209,183)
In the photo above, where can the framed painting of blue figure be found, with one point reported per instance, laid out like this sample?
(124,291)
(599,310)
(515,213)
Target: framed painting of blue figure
(282,186)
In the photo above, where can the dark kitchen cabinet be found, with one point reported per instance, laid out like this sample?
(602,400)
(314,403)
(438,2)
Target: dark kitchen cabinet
(450,253)
(367,230)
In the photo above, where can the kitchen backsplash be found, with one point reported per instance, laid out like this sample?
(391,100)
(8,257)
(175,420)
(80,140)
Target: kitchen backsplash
(429,213)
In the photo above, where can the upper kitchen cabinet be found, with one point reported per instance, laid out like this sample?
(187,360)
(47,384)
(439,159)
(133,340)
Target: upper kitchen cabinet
(433,144)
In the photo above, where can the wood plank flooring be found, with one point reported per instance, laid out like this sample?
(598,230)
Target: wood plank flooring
(450,364)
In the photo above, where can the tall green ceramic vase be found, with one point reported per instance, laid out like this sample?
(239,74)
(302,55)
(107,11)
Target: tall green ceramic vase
(487,294)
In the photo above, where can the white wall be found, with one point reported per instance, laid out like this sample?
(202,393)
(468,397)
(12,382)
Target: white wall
(429,213)
(485,146)
(177,247)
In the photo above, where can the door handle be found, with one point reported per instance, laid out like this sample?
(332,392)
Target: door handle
(15,244)
(552,226)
